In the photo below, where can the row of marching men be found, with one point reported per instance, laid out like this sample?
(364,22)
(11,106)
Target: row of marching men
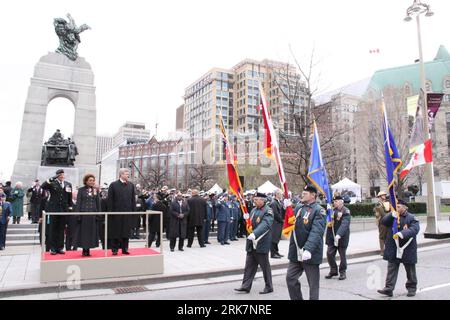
(306,244)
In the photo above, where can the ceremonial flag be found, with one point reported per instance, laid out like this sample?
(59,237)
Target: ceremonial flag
(393,164)
(233,176)
(272,151)
(317,173)
(434,101)
(422,155)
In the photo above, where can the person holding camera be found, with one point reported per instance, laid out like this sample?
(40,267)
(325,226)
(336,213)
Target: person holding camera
(88,200)
(60,201)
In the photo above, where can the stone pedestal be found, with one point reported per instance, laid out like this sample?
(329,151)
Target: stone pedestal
(57,76)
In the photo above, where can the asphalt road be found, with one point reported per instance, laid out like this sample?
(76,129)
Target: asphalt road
(363,279)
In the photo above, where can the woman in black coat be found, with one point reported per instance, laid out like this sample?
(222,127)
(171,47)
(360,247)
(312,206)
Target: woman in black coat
(88,200)
(154,220)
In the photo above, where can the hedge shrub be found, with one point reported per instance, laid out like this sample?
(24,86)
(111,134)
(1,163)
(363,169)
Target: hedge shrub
(366,209)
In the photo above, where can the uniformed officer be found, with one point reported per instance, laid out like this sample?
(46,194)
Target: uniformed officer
(60,201)
(337,238)
(380,210)
(402,249)
(258,246)
(306,245)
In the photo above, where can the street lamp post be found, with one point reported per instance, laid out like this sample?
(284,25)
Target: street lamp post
(416,9)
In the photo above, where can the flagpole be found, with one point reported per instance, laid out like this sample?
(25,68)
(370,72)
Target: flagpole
(432,224)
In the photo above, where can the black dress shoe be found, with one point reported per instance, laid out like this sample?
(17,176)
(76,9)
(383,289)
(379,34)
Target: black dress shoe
(411,294)
(226,242)
(385,292)
(330,275)
(189,246)
(242,290)
(280,255)
(207,242)
(180,249)
(60,251)
(342,277)
(172,249)
(53,252)
(125,252)
(203,246)
(114,252)
(275,256)
(266,290)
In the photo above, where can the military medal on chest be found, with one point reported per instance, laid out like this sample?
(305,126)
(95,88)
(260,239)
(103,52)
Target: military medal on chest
(258,220)
(306,216)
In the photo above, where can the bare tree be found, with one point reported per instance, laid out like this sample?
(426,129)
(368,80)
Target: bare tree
(202,176)
(157,177)
(296,87)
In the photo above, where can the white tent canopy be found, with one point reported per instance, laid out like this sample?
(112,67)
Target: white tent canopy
(216,189)
(348,187)
(268,187)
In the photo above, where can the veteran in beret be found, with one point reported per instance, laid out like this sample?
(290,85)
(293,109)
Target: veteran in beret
(258,246)
(306,245)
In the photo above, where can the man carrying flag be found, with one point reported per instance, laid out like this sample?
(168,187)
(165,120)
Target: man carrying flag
(404,226)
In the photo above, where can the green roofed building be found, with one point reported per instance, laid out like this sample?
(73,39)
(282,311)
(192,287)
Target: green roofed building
(396,85)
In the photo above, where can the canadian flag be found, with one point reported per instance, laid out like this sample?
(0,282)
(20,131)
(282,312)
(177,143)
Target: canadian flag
(422,155)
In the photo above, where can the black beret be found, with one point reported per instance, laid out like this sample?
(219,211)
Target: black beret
(310,189)
(260,195)
(59,171)
(338,198)
(400,201)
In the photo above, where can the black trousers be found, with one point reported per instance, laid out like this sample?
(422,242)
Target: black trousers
(173,242)
(294,272)
(56,232)
(152,236)
(274,248)
(331,257)
(251,266)
(35,213)
(392,274)
(3,234)
(242,230)
(117,244)
(190,235)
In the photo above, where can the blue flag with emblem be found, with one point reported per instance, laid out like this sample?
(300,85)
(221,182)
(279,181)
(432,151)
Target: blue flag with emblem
(317,173)
(393,164)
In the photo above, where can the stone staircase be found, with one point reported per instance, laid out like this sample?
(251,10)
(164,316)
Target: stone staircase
(23,234)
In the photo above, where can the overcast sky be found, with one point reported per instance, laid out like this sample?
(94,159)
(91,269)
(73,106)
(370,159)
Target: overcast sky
(145,53)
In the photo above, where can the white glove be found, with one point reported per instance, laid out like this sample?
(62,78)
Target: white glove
(394,214)
(306,255)
(246,216)
(336,240)
(251,236)
(400,235)
(287,203)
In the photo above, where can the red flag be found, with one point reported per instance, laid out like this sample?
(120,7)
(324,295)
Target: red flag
(233,177)
(271,151)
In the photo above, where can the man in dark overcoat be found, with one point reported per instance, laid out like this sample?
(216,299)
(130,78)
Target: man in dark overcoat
(277,227)
(121,198)
(179,211)
(196,218)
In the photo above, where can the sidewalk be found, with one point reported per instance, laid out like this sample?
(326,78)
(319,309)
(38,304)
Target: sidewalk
(20,267)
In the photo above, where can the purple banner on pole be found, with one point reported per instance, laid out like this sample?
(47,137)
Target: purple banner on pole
(433,103)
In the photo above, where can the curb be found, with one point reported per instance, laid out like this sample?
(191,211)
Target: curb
(151,280)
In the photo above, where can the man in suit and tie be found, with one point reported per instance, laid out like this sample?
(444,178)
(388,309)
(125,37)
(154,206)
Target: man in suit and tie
(60,201)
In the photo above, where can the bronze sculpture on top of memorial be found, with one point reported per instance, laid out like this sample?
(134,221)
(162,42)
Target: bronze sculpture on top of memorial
(69,36)
(59,151)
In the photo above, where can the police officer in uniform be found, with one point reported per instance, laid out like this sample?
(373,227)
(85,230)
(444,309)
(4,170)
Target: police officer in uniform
(382,208)
(403,249)
(60,201)
(337,238)
(306,245)
(258,246)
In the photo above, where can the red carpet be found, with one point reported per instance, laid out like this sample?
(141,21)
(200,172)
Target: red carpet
(98,253)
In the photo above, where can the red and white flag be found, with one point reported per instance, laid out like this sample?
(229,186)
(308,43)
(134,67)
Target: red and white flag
(422,155)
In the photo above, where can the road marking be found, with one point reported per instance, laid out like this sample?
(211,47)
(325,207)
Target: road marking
(439,286)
